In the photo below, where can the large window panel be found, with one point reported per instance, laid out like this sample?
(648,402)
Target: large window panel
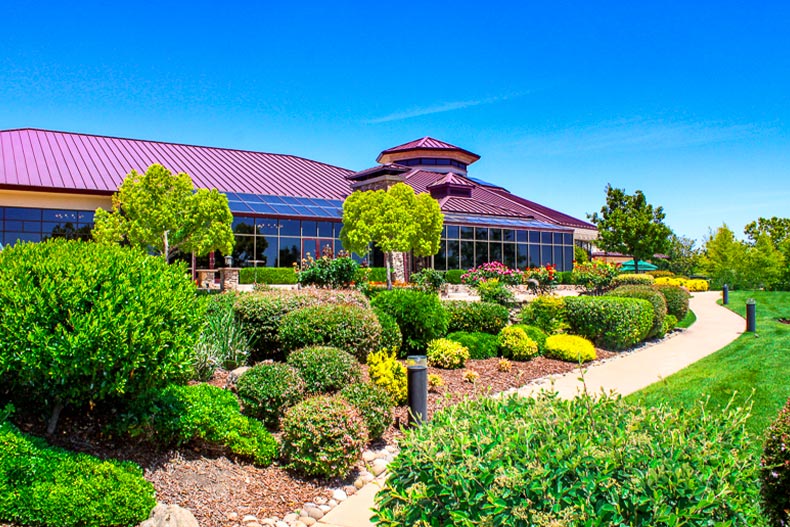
(545,238)
(467,255)
(534,255)
(522,256)
(16,213)
(440,258)
(453,254)
(326,229)
(568,238)
(290,228)
(267,226)
(265,251)
(557,257)
(534,237)
(495,235)
(568,258)
(452,232)
(495,252)
(509,255)
(509,235)
(467,233)
(481,233)
(244,251)
(289,251)
(481,253)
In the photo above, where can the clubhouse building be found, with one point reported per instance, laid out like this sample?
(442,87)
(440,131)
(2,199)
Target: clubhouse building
(283,206)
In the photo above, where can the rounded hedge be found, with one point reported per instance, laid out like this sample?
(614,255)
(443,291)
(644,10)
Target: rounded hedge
(323,436)
(351,328)
(546,312)
(485,317)
(391,337)
(447,354)
(480,345)
(632,279)
(775,470)
(593,461)
(536,334)
(515,344)
(325,369)
(267,389)
(610,322)
(82,322)
(420,316)
(677,299)
(656,299)
(571,348)
(374,405)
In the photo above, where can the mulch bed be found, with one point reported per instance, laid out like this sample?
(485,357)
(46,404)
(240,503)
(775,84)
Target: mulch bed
(212,486)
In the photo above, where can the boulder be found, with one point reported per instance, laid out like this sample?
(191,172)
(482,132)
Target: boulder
(170,516)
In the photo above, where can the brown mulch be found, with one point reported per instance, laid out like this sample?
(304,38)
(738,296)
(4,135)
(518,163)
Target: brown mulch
(213,486)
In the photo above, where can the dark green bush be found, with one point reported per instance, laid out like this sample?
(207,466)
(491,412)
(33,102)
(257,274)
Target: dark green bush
(587,461)
(485,317)
(677,300)
(267,389)
(565,277)
(201,413)
(222,343)
(391,337)
(495,292)
(328,272)
(325,369)
(656,299)
(376,274)
(82,322)
(775,470)
(323,436)
(260,312)
(546,312)
(536,334)
(374,405)
(420,316)
(453,276)
(353,329)
(480,345)
(45,486)
(267,275)
(610,322)
(428,280)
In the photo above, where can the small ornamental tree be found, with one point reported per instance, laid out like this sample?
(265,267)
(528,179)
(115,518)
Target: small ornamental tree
(160,211)
(395,220)
(628,224)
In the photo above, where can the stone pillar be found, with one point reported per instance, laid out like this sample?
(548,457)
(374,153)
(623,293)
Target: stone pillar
(398,267)
(229,278)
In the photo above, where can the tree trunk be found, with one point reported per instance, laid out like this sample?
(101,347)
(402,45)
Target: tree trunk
(388,260)
(636,265)
(166,251)
(53,419)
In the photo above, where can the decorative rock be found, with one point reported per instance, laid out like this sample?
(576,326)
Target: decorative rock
(368,456)
(320,500)
(359,483)
(249,518)
(298,523)
(309,521)
(392,449)
(332,503)
(268,521)
(290,518)
(234,376)
(253,524)
(378,467)
(325,508)
(170,516)
(315,513)
(350,490)
(281,524)
(339,495)
(233,516)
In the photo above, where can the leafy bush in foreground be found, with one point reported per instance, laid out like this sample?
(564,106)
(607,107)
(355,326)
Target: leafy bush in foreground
(775,470)
(480,345)
(632,279)
(592,461)
(677,299)
(385,371)
(536,334)
(374,405)
(223,343)
(514,343)
(546,312)
(267,275)
(610,322)
(325,369)
(656,299)
(267,389)
(391,336)
(420,316)
(483,317)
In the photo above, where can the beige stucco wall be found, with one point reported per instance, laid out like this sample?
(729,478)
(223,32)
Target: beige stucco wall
(53,200)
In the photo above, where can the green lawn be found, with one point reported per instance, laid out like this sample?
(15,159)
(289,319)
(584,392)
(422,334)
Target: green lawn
(688,320)
(758,363)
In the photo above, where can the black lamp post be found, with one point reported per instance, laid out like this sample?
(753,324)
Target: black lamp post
(417,386)
(725,295)
(751,315)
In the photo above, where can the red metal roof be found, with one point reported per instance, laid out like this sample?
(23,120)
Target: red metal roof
(426,143)
(44,159)
(451,179)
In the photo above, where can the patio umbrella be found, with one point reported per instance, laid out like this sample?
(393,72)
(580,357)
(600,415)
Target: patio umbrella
(643,266)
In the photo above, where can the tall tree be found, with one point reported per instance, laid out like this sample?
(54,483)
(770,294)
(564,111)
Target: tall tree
(395,220)
(628,224)
(161,212)
(683,255)
(777,229)
(723,258)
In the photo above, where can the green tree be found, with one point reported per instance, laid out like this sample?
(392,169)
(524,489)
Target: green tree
(777,229)
(628,224)
(683,255)
(161,212)
(723,259)
(395,220)
(764,264)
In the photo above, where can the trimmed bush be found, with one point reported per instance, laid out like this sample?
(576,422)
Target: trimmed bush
(693,285)
(453,276)
(610,322)
(546,312)
(260,312)
(660,274)
(268,389)
(656,299)
(677,299)
(328,272)
(484,317)
(201,413)
(46,486)
(495,292)
(323,436)
(325,369)
(391,337)
(447,354)
(565,277)
(775,470)
(428,280)
(632,279)
(81,323)
(374,405)
(592,461)
(480,345)
(223,343)
(570,348)
(377,274)
(353,329)
(385,371)
(536,334)
(420,316)
(670,323)
(515,344)
(267,275)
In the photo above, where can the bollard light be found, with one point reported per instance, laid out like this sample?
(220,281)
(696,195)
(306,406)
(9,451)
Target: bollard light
(417,388)
(229,261)
(751,315)
(725,295)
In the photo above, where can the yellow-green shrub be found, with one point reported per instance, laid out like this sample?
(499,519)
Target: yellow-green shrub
(693,285)
(570,348)
(447,354)
(632,279)
(385,371)
(515,344)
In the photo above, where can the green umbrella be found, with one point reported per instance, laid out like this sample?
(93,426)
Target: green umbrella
(643,266)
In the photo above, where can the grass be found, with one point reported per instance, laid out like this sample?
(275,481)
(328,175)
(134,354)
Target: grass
(688,320)
(754,366)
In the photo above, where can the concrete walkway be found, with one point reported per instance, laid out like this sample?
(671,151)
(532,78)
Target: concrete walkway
(715,327)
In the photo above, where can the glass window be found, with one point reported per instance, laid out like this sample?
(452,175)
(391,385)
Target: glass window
(243,225)
(289,251)
(243,251)
(534,255)
(15,213)
(13,225)
(309,228)
(522,256)
(453,254)
(289,228)
(534,237)
(509,255)
(267,226)
(31,226)
(2,213)
(452,232)
(568,259)
(481,233)
(467,255)
(495,234)
(568,238)
(509,235)
(440,259)
(86,216)
(481,253)
(265,254)
(60,215)
(558,236)
(13,237)
(495,252)
(467,233)
(326,229)
(545,238)
(521,236)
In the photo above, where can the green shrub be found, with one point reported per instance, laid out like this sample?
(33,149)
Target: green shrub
(420,316)
(81,322)
(323,436)
(546,312)
(476,316)
(201,413)
(328,272)
(353,329)
(594,277)
(495,292)
(580,255)
(325,369)
(480,345)
(377,274)
(610,322)
(391,337)
(661,274)
(223,343)
(656,299)
(447,354)
(570,348)
(260,312)
(632,279)
(677,300)
(536,334)
(267,389)
(587,461)
(46,486)
(385,371)
(267,275)
(515,344)
(670,323)
(374,405)
(429,280)
(565,277)
(453,276)
(775,470)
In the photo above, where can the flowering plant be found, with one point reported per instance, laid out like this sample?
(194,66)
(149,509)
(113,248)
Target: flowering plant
(491,271)
(595,277)
(329,270)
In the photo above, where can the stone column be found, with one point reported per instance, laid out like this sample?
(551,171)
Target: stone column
(398,267)
(229,278)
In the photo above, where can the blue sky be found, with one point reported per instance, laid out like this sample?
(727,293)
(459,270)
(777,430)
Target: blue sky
(686,101)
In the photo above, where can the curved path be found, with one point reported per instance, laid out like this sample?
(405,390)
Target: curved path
(716,326)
